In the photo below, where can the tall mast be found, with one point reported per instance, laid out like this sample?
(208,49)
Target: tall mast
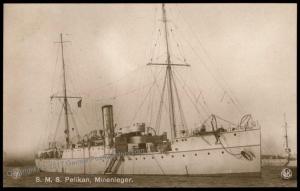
(169,73)
(67,132)
(169,77)
(286,136)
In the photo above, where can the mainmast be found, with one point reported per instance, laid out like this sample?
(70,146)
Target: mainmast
(169,74)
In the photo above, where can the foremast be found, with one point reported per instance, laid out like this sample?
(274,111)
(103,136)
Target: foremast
(67,131)
(65,96)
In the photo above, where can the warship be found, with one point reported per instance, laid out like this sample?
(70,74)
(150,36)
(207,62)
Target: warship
(215,147)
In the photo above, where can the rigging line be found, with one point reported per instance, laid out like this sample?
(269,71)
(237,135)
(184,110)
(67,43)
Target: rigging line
(153,37)
(151,109)
(134,90)
(153,103)
(191,100)
(206,119)
(183,120)
(180,51)
(157,85)
(243,126)
(200,90)
(172,116)
(58,122)
(141,104)
(52,86)
(144,100)
(126,93)
(227,121)
(177,40)
(210,59)
(83,121)
(71,75)
(203,106)
(156,44)
(191,92)
(119,79)
(140,83)
(74,122)
(149,104)
(152,96)
(222,87)
(203,63)
(55,68)
(48,115)
(158,119)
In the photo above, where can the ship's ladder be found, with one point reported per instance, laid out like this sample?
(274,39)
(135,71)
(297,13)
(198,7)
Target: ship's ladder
(113,165)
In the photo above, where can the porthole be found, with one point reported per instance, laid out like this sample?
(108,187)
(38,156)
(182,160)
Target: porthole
(182,139)
(144,158)
(162,157)
(195,154)
(172,156)
(152,157)
(183,155)
(222,152)
(234,134)
(208,153)
(176,140)
(135,158)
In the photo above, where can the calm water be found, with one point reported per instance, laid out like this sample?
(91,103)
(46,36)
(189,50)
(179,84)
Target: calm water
(270,177)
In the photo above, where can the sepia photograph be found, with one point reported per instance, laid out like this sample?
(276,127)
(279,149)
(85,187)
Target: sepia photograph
(150,95)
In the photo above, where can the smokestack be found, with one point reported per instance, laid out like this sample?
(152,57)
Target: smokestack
(108,125)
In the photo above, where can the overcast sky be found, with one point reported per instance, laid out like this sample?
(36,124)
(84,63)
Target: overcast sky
(243,51)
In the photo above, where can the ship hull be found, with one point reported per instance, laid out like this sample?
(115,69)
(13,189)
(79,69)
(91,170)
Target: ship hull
(196,160)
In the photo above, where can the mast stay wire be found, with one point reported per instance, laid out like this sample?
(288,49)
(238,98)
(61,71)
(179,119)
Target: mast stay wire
(153,83)
(52,86)
(58,122)
(109,84)
(74,122)
(177,41)
(183,120)
(184,85)
(158,119)
(50,101)
(191,100)
(153,37)
(151,51)
(204,105)
(236,102)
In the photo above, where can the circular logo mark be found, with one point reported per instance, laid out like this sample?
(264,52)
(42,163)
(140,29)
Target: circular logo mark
(286,173)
